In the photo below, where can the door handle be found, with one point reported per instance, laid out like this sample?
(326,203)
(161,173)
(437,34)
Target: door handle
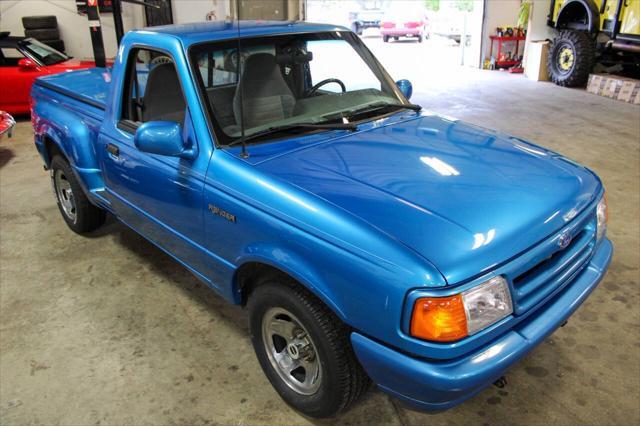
(113,150)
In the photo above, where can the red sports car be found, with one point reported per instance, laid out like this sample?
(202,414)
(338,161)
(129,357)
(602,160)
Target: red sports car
(6,124)
(22,60)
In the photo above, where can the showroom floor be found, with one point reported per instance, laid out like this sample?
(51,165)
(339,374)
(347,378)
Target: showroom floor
(106,329)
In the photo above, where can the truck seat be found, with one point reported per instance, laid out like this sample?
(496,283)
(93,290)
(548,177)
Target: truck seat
(163,99)
(267,97)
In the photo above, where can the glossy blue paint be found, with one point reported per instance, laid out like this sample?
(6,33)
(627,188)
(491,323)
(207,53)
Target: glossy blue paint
(434,386)
(409,204)
(405,87)
(162,138)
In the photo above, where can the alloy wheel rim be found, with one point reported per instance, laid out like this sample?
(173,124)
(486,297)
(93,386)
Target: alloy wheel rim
(291,351)
(64,193)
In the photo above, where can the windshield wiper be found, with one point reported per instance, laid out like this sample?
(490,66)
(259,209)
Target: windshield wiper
(372,108)
(294,126)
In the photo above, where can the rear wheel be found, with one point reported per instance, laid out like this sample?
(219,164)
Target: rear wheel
(304,349)
(76,209)
(571,58)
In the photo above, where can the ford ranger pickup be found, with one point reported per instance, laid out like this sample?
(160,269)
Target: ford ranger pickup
(369,240)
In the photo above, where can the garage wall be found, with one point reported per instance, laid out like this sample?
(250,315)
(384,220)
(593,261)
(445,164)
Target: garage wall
(538,29)
(74,28)
(498,13)
(185,11)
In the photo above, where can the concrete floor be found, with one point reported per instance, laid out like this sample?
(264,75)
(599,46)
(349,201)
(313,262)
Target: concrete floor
(106,329)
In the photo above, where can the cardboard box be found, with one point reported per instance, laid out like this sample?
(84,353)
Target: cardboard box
(536,66)
(615,87)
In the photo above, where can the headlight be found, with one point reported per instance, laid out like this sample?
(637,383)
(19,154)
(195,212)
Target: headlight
(602,215)
(445,319)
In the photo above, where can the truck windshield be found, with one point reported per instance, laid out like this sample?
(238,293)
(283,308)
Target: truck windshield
(274,83)
(41,52)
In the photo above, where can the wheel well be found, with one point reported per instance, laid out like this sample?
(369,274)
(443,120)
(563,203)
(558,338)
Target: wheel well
(51,148)
(575,15)
(251,275)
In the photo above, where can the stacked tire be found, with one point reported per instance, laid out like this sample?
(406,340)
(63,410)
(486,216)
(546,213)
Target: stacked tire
(44,29)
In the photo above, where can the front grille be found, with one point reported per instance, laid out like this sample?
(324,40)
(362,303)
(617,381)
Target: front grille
(548,267)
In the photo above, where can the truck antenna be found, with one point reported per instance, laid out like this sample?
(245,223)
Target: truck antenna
(244,153)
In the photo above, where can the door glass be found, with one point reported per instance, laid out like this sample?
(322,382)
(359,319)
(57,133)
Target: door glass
(154,92)
(10,57)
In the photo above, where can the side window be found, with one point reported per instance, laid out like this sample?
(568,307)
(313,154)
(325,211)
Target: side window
(9,56)
(152,91)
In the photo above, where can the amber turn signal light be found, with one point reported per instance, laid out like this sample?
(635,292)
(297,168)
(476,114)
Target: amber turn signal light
(440,319)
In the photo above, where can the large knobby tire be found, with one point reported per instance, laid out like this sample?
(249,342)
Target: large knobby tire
(571,58)
(36,22)
(304,349)
(76,209)
(43,33)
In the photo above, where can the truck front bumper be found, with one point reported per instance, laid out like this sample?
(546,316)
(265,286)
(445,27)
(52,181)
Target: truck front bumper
(438,385)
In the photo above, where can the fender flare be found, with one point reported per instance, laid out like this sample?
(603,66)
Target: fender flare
(292,265)
(593,14)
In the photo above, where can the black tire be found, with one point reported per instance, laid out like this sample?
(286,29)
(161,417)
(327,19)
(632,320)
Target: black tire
(43,33)
(87,216)
(385,38)
(420,38)
(571,58)
(38,22)
(55,44)
(342,379)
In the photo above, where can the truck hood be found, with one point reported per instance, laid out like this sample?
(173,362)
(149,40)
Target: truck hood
(465,198)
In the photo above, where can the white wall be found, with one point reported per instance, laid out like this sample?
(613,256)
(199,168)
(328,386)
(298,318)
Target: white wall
(498,13)
(538,29)
(74,28)
(185,11)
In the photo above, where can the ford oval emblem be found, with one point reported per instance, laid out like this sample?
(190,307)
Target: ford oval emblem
(564,240)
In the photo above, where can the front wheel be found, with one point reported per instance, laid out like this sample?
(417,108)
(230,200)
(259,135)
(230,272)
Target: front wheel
(76,209)
(571,58)
(304,349)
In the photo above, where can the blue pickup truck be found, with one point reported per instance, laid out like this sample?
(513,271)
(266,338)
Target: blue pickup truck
(369,240)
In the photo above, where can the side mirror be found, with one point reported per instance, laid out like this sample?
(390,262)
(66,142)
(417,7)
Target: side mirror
(27,64)
(162,138)
(405,87)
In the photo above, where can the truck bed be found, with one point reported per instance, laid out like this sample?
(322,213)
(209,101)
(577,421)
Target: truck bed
(89,85)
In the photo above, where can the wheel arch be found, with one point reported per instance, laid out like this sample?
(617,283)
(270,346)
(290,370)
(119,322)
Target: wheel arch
(52,148)
(579,15)
(252,271)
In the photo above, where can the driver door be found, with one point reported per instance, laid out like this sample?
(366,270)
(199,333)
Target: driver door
(159,196)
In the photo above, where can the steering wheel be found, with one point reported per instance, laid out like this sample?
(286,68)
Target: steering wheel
(315,88)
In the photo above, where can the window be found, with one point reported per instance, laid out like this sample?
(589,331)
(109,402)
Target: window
(276,91)
(153,91)
(43,53)
(335,59)
(9,56)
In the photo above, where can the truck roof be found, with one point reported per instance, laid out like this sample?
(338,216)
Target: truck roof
(199,32)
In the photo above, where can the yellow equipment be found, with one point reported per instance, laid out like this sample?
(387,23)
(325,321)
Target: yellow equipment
(607,29)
